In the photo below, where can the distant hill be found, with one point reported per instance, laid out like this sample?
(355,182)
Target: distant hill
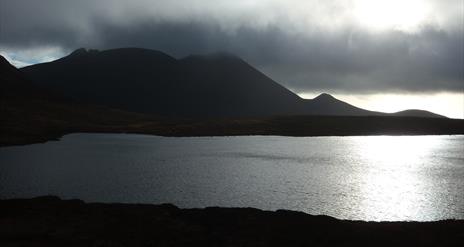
(416,113)
(217,85)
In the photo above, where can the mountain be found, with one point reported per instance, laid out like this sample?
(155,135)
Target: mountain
(326,104)
(13,84)
(30,113)
(416,113)
(41,111)
(219,85)
(148,81)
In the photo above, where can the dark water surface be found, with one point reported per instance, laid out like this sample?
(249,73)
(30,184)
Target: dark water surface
(364,178)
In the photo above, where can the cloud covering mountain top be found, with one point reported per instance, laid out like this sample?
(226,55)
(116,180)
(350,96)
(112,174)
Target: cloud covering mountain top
(348,46)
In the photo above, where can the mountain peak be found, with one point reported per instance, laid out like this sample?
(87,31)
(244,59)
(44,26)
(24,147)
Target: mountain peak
(79,51)
(325,97)
(82,51)
(417,113)
(6,65)
(3,61)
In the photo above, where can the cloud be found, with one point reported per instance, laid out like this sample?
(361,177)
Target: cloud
(305,45)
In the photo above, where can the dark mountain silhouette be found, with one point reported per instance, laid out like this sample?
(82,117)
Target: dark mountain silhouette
(47,109)
(416,113)
(326,104)
(224,85)
(148,81)
(13,84)
(30,113)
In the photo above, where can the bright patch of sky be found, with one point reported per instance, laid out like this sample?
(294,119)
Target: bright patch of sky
(26,57)
(368,49)
(448,104)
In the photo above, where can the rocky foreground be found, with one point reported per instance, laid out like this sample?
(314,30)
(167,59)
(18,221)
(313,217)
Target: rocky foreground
(50,221)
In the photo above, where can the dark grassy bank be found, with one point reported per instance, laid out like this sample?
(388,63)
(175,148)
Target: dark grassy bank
(49,221)
(321,126)
(51,122)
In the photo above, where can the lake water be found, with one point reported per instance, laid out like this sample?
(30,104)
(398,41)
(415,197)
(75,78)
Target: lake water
(363,178)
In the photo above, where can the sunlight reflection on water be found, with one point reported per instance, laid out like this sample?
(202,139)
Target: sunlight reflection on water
(364,178)
(396,179)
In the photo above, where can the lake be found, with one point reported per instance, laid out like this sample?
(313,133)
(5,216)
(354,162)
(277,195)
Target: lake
(373,178)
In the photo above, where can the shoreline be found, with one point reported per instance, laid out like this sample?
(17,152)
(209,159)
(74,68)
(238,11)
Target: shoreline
(50,221)
(59,138)
(308,126)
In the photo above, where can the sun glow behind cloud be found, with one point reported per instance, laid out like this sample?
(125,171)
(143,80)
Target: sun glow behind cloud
(392,14)
(368,49)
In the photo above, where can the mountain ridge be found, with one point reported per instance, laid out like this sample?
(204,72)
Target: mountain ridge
(33,114)
(150,81)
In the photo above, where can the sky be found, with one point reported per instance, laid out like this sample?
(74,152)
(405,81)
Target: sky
(376,54)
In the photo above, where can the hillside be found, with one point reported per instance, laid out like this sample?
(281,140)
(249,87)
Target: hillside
(32,114)
(212,86)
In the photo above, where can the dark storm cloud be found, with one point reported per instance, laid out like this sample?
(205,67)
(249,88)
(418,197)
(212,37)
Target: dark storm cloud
(344,58)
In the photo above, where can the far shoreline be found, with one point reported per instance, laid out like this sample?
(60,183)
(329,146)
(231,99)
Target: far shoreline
(15,132)
(43,140)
